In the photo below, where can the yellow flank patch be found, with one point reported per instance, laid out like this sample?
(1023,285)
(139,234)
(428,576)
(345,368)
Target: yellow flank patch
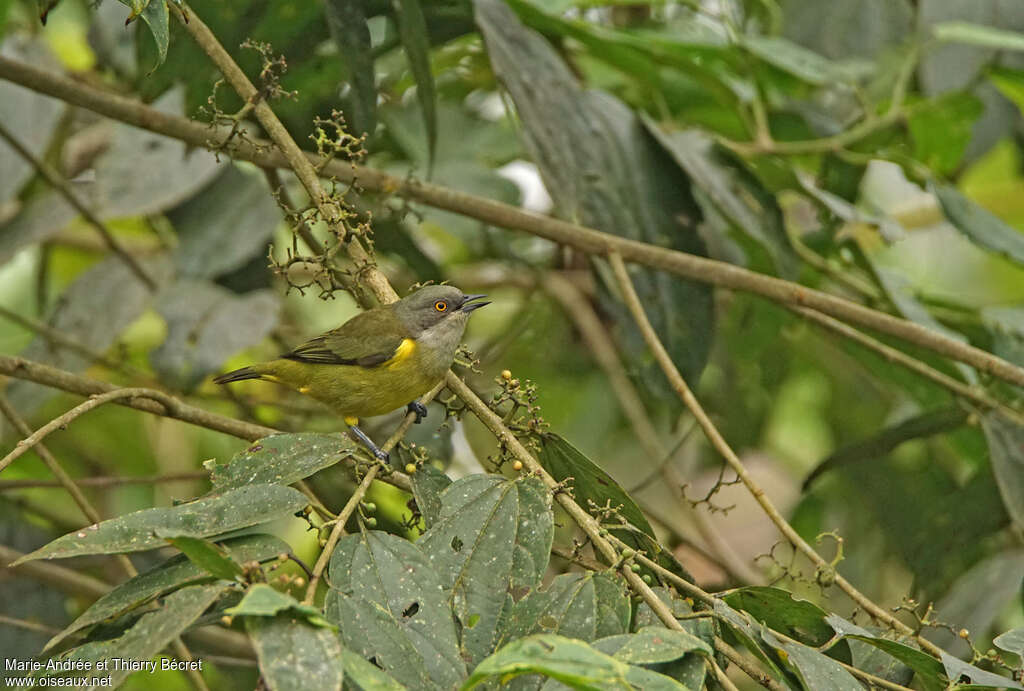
(402,352)
(351,420)
(271,377)
(304,389)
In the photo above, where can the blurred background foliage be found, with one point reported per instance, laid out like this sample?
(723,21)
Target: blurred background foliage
(868,148)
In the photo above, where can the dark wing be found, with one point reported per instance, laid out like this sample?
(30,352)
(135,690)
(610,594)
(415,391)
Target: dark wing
(366,340)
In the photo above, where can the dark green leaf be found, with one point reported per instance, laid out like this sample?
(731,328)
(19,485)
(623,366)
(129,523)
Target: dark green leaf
(295,656)
(412,28)
(262,600)
(134,532)
(748,634)
(1006,453)
(211,558)
(929,671)
(817,671)
(157,18)
(585,606)
(734,194)
(347,21)
(980,225)
(207,324)
(224,226)
(492,539)
(390,605)
(571,662)
(167,576)
(917,427)
(149,635)
(1011,641)
(281,459)
(604,170)
(591,485)
(690,671)
(783,612)
(366,676)
(427,484)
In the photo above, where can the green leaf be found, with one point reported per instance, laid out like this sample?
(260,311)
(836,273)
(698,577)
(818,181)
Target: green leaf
(571,662)
(980,225)
(816,671)
(211,558)
(147,636)
(929,671)
(1011,641)
(390,605)
(412,29)
(1010,83)
(652,645)
(491,540)
(366,676)
(262,600)
(134,532)
(783,612)
(691,670)
(157,18)
(604,171)
(207,324)
(346,20)
(281,459)
(748,634)
(1005,446)
(171,574)
(427,485)
(585,606)
(95,308)
(957,669)
(798,61)
(942,129)
(226,224)
(295,656)
(978,35)
(591,484)
(733,193)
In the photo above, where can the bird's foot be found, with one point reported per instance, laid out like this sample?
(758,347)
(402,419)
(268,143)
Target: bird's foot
(418,409)
(379,453)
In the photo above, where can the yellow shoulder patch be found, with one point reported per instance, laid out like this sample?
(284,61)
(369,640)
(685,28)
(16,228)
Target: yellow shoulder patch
(402,352)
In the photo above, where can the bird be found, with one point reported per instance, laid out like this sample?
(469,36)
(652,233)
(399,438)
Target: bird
(377,361)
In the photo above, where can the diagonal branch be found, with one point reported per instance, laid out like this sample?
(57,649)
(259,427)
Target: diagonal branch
(588,240)
(54,179)
(722,446)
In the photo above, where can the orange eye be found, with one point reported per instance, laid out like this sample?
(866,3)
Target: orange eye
(441,306)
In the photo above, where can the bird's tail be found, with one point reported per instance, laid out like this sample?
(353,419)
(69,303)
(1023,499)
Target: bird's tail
(237,375)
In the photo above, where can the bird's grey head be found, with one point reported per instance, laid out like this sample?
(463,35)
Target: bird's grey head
(431,305)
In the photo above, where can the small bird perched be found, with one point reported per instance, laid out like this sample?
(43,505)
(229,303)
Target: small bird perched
(378,360)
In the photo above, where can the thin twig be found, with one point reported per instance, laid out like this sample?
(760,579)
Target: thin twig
(95,401)
(108,481)
(357,496)
(718,442)
(599,343)
(27,625)
(46,375)
(976,395)
(58,339)
(496,213)
(65,480)
(55,180)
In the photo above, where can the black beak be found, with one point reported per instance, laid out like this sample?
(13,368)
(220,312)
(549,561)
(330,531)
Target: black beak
(466,307)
